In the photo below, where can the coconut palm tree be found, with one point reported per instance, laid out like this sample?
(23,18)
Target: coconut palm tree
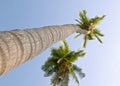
(60,65)
(19,46)
(89,24)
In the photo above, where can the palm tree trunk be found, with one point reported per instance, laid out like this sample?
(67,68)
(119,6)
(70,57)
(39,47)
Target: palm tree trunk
(18,46)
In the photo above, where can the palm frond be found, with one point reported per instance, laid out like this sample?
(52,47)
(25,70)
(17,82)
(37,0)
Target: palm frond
(60,50)
(84,41)
(74,76)
(78,21)
(90,36)
(80,26)
(55,53)
(49,67)
(86,19)
(81,53)
(81,16)
(78,70)
(77,35)
(74,57)
(96,31)
(54,80)
(65,46)
(98,39)
(97,19)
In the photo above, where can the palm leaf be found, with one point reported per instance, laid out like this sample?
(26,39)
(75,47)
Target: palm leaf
(53,80)
(97,19)
(78,21)
(81,26)
(98,39)
(77,35)
(81,53)
(84,41)
(81,16)
(55,53)
(65,46)
(85,17)
(90,36)
(74,76)
(96,31)
(49,67)
(78,70)
(73,57)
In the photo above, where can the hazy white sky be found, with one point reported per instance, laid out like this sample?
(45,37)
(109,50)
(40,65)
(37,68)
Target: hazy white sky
(102,62)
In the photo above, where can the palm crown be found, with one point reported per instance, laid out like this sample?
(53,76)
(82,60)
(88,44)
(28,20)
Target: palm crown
(89,24)
(60,65)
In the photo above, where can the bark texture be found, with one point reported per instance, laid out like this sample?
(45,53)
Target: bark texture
(18,46)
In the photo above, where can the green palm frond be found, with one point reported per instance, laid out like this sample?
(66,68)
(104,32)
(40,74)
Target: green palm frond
(75,69)
(49,67)
(83,17)
(55,53)
(97,20)
(90,36)
(65,46)
(53,80)
(77,35)
(96,31)
(60,64)
(89,25)
(85,41)
(78,70)
(98,39)
(73,56)
(74,76)
(82,53)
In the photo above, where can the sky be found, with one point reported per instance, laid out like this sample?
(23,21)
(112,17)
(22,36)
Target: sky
(102,62)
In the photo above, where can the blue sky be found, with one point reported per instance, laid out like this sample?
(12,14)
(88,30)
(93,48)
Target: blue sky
(101,64)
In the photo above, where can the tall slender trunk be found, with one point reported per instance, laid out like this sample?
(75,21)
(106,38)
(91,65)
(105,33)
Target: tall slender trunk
(18,46)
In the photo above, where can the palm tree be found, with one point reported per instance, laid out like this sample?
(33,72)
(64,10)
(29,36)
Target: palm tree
(19,46)
(60,65)
(89,24)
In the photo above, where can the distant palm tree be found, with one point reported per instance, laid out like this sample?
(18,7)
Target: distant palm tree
(60,65)
(89,24)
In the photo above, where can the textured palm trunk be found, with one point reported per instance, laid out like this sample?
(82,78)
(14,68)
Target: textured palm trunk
(18,46)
